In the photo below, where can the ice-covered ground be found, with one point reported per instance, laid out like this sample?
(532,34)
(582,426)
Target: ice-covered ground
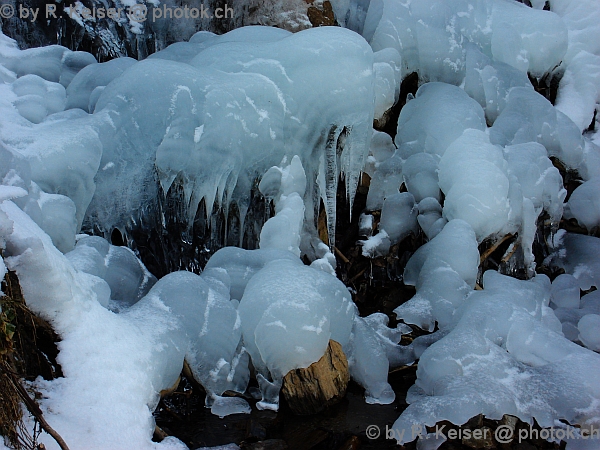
(262,111)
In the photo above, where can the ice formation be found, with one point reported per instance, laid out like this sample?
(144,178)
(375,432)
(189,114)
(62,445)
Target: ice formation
(289,313)
(496,190)
(492,365)
(398,220)
(261,111)
(211,325)
(529,117)
(219,121)
(124,274)
(584,204)
(432,35)
(578,255)
(286,186)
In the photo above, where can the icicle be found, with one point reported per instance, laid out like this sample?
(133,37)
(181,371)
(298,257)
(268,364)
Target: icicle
(331,180)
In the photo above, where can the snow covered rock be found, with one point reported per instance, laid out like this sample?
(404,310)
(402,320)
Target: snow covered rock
(117,363)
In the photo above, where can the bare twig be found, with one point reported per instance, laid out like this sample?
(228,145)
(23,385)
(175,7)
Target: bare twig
(33,407)
(493,248)
(509,252)
(341,255)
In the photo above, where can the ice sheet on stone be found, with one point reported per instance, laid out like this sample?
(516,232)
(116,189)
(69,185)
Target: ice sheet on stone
(212,326)
(288,314)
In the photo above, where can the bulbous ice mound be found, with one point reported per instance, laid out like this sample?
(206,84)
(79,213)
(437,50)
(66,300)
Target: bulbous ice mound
(505,355)
(289,313)
(241,265)
(124,274)
(297,304)
(578,255)
(473,176)
(432,35)
(238,108)
(212,326)
(437,116)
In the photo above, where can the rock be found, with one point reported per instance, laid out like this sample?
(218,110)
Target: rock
(170,390)
(269,444)
(480,438)
(351,444)
(321,17)
(320,385)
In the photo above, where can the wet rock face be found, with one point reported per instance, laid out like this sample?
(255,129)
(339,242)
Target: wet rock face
(322,384)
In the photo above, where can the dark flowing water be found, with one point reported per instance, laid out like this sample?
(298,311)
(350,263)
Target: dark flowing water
(343,426)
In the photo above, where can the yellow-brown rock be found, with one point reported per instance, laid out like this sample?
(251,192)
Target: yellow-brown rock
(320,385)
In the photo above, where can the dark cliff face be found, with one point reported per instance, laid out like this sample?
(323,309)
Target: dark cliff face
(109,29)
(108,33)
